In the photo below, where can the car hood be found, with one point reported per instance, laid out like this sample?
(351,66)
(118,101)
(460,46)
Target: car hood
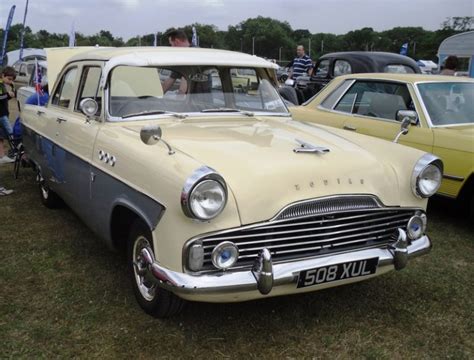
(256,158)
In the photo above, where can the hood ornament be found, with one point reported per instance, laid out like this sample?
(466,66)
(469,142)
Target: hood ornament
(310,148)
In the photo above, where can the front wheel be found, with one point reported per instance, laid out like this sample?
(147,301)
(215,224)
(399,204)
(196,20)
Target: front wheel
(154,300)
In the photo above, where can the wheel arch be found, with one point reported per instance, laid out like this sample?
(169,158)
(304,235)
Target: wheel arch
(467,189)
(123,215)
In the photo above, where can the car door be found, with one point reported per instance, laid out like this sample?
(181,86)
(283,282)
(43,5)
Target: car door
(75,134)
(372,106)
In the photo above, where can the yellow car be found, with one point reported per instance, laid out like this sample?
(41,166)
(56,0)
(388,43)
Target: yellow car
(441,110)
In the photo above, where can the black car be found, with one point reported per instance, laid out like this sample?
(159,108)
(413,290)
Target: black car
(332,65)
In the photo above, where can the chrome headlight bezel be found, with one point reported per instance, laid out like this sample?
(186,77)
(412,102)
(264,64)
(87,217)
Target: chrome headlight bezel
(203,174)
(422,165)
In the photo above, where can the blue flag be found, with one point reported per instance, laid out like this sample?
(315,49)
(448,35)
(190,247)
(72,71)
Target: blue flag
(5,34)
(22,39)
(404,49)
(194,41)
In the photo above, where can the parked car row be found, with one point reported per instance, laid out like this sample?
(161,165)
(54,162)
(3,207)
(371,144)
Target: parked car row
(213,188)
(440,109)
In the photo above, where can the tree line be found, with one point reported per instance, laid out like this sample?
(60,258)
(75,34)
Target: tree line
(267,37)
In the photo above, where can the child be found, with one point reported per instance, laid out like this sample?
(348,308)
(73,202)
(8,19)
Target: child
(7,78)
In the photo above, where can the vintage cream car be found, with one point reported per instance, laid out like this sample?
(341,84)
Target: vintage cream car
(441,110)
(217,195)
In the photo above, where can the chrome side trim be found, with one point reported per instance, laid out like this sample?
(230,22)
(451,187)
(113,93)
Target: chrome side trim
(453,177)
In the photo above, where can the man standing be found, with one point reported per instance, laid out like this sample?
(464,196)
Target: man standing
(301,64)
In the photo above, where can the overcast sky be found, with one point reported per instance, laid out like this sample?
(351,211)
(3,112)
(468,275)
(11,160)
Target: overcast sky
(128,18)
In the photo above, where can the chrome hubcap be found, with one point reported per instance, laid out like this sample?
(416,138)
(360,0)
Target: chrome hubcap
(143,276)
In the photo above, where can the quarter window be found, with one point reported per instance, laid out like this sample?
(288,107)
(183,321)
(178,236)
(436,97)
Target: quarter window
(65,91)
(376,99)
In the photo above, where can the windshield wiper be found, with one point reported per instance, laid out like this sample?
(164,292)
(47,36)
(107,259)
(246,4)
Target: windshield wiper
(156,112)
(228,110)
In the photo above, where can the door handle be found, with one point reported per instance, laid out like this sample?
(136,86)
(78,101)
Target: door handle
(350,127)
(60,120)
(40,112)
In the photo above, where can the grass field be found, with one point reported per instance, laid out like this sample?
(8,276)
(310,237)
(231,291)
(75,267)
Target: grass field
(64,294)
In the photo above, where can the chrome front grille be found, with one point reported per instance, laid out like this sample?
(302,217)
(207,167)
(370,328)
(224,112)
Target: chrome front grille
(320,206)
(310,229)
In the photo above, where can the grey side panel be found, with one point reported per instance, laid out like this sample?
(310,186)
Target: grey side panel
(107,192)
(91,193)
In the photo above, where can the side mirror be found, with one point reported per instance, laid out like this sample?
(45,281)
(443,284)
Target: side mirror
(22,74)
(89,107)
(407,117)
(410,114)
(290,82)
(151,135)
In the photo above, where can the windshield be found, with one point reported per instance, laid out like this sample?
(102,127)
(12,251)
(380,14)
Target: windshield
(139,91)
(448,103)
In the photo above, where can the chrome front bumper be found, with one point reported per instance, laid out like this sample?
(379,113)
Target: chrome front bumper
(278,279)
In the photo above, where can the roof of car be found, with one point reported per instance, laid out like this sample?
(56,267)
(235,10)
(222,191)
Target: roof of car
(368,54)
(177,56)
(411,78)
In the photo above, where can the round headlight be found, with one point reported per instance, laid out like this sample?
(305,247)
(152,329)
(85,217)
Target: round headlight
(429,181)
(416,226)
(225,255)
(207,199)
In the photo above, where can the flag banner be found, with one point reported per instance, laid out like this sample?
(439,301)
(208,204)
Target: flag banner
(22,38)
(194,41)
(404,49)
(72,36)
(5,34)
(37,81)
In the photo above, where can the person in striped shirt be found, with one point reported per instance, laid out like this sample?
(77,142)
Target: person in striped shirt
(301,64)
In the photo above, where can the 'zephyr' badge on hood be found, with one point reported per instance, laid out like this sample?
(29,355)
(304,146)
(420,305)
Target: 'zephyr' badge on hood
(310,148)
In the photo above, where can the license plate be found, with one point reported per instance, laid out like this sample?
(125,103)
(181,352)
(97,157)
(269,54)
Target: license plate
(336,272)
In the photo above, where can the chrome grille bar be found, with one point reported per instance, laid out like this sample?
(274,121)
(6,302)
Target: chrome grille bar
(312,228)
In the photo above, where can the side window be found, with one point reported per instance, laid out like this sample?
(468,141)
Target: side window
(89,86)
(65,91)
(331,100)
(30,68)
(376,99)
(22,71)
(342,67)
(322,69)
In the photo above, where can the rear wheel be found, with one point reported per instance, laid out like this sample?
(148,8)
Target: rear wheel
(154,300)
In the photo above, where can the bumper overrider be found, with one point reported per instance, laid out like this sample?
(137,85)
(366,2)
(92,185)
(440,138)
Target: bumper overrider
(266,278)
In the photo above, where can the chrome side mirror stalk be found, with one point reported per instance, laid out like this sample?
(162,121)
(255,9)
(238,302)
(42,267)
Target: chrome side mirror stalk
(151,135)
